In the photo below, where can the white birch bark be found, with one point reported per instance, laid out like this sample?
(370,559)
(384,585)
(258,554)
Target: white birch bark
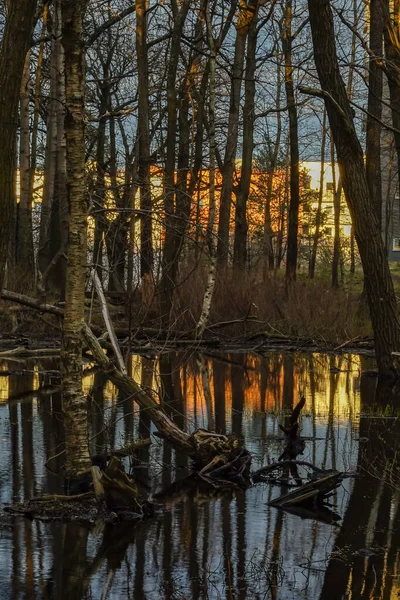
(108,321)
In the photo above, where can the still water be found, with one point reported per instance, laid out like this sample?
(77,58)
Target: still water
(209,545)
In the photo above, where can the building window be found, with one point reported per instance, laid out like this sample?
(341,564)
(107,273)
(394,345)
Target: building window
(347,230)
(396,244)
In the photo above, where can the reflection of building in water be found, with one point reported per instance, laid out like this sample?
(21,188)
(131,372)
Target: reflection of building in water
(4,384)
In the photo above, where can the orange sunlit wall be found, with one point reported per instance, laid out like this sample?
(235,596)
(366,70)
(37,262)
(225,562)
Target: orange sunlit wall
(256,202)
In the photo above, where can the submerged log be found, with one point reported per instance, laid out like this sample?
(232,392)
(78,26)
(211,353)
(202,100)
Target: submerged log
(314,492)
(266,471)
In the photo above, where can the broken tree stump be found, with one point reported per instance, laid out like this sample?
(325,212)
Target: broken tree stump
(294,443)
(120,492)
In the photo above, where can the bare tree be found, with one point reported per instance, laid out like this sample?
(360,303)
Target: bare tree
(378,281)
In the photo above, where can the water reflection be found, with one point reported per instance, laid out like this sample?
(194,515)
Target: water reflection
(204,544)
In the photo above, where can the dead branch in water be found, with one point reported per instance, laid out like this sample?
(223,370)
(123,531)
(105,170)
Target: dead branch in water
(257,475)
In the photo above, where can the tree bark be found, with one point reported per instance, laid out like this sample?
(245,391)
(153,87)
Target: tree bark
(378,281)
(15,44)
(74,403)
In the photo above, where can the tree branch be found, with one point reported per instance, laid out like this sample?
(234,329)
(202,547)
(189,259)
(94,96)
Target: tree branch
(109,23)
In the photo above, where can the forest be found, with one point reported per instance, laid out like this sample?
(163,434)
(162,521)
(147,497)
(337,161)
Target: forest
(199,280)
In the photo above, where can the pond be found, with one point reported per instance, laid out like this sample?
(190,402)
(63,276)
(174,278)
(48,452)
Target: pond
(209,544)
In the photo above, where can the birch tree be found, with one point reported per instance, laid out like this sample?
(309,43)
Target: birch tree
(74,403)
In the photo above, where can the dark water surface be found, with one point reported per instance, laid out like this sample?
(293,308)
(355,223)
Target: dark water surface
(208,544)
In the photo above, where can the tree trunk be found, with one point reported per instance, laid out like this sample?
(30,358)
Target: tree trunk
(59,213)
(175,222)
(268,233)
(210,233)
(100,185)
(15,44)
(36,110)
(391,35)
(293,216)
(337,193)
(240,240)
(74,403)
(118,229)
(50,163)
(318,216)
(375,89)
(146,235)
(24,240)
(379,285)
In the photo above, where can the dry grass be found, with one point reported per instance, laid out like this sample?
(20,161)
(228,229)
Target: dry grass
(307,309)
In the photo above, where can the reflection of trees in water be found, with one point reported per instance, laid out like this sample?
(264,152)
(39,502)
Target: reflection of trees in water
(235,545)
(363,563)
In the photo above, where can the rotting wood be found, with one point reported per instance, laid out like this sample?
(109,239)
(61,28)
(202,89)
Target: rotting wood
(97,484)
(120,492)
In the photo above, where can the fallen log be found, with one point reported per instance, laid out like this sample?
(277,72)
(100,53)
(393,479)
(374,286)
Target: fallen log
(35,352)
(314,492)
